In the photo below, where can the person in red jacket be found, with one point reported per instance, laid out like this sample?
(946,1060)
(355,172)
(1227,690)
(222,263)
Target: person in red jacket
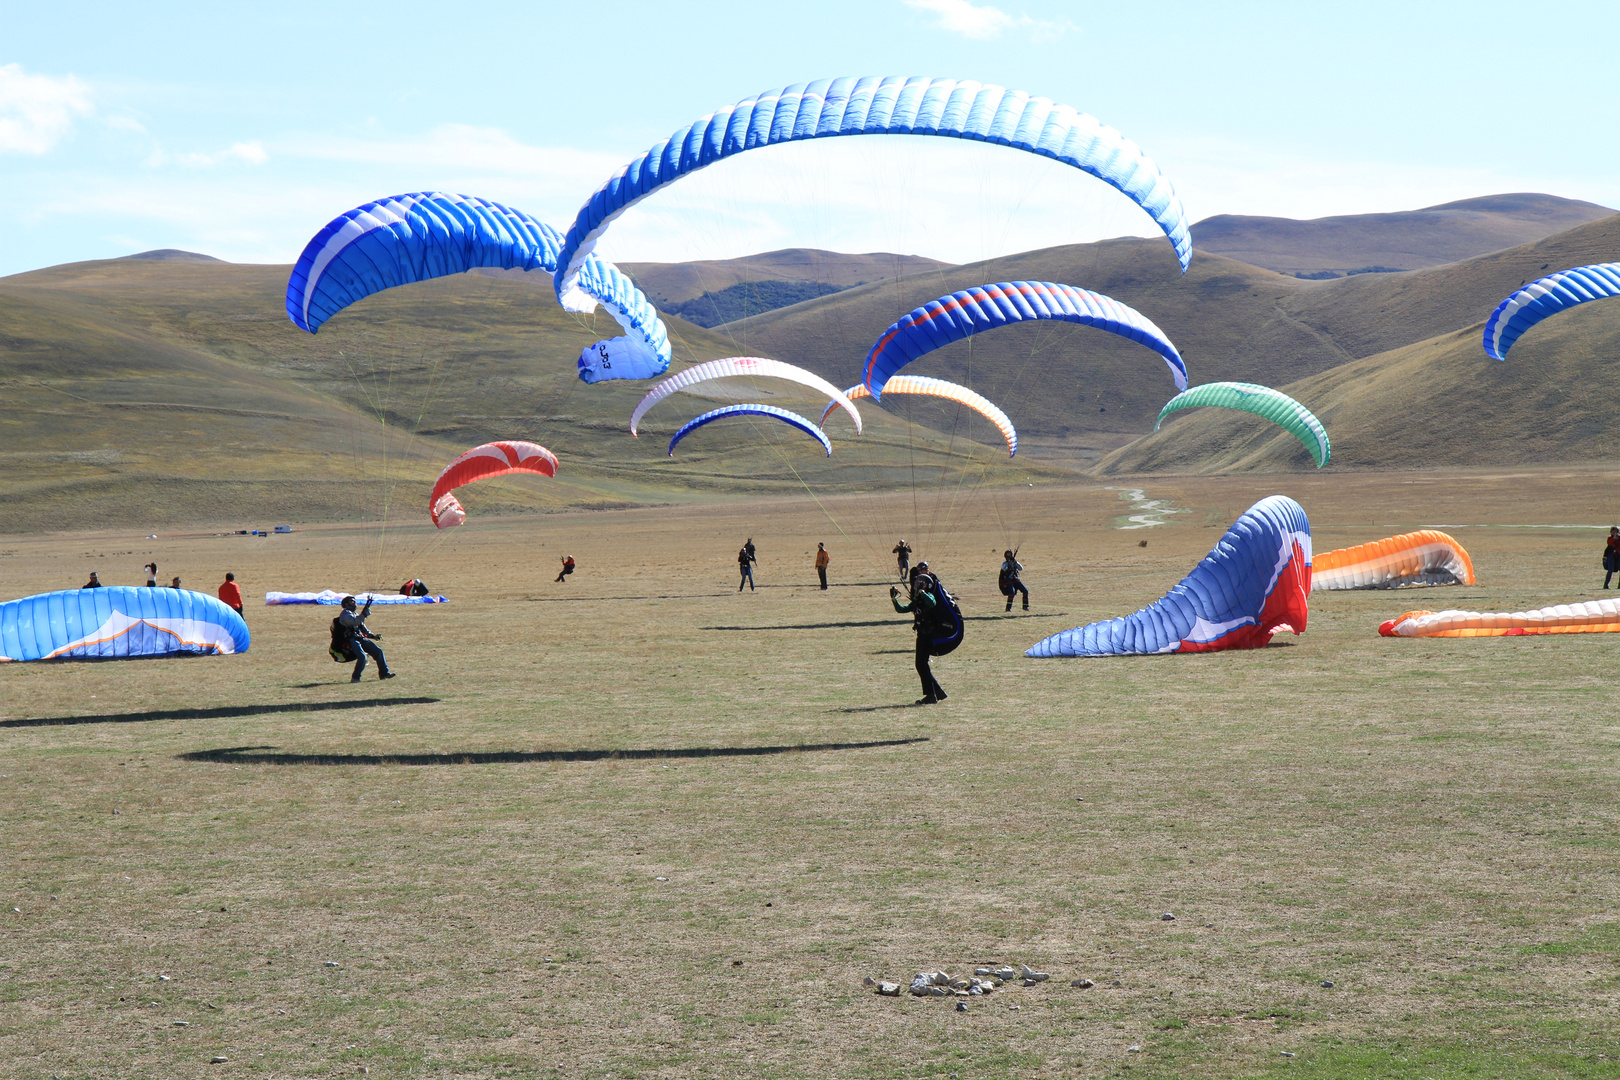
(230,594)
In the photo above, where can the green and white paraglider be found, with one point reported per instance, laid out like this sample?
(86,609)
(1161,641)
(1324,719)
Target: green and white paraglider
(1262,401)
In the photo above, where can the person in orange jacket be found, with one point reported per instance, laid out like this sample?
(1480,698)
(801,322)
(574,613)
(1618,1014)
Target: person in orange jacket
(822,559)
(230,594)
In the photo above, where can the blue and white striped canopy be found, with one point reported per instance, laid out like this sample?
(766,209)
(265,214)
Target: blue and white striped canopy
(772,411)
(986,307)
(118,621)
(430,234)
(880,105)
(1544,297)
(1255,582)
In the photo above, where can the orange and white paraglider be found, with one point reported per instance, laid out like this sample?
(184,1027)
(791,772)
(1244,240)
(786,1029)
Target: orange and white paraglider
(1593,617)
(1425,557)
(481,463)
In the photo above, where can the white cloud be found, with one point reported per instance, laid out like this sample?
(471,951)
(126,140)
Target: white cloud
(250,153)
(985,22)
(37,111)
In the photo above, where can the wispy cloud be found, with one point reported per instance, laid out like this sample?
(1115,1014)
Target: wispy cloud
(248,153)
(985,22)
(37,111)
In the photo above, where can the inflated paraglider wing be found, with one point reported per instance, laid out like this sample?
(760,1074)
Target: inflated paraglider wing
(987,307)
(741,367)
(921,384)
(1252,585)
(1592,617)
(1262,401)
(1425,557)
(119,621)
(481,463)
(430,234)
(1547,296)
(879,105)
(752,410)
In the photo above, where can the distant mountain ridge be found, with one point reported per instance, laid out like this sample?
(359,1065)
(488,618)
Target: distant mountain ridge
(173,255)
(1381,243)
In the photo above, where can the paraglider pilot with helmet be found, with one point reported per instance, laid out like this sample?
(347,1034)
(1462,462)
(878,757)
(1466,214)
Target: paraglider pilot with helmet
(937,623)
(353,640)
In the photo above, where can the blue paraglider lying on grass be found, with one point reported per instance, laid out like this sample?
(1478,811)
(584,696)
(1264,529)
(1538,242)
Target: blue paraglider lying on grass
(1256,582)
(119,621)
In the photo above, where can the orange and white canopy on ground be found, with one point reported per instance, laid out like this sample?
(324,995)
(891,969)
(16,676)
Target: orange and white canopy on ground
(1593,617)
(1425,557)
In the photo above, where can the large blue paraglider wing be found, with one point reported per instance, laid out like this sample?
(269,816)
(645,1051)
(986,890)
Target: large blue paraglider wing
(430,234)
(804,425)
(1545,297)
(119,622)
(985,307)
(881,105)
(1256,580)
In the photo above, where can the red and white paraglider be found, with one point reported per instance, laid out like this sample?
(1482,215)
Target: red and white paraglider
(481,463)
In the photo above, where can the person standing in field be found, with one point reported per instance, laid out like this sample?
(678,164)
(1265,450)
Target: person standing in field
(151,575)
(822,559)
(567,568)
(1008,580)
(745,561)
(902,558)
(175,584)
(230,595)
(921,605)
(1611,555)
(93,583)
(350,633)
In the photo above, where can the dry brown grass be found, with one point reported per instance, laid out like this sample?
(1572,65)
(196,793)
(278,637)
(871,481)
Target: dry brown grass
(1427,824)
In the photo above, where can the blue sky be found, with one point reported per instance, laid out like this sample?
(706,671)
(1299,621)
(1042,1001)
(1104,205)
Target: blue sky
(239,132)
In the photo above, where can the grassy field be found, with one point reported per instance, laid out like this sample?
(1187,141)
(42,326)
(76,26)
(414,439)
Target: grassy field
(641,825)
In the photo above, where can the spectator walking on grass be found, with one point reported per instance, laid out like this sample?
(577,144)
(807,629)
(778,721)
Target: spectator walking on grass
(93,583)
(352,636)
(1611,555)
(745,563)
(230,594)
(822,559)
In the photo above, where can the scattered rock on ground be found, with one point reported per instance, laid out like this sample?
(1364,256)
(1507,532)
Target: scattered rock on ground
(1082,984)
(961,1006)
(1133,1049)
(1327,984)
(219,1059)
(1167,917)
(888,989)
(1031,976)
(333,963)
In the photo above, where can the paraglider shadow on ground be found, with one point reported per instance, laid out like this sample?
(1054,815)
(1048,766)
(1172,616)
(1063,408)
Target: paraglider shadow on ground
(249,755)
(809,586)
(218,713)
(883,622)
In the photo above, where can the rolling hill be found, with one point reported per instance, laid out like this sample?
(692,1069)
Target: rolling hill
(146,392)
(1409,240)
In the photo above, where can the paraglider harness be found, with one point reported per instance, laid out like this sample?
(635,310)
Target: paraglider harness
(414,587)
(944,626)
(1005,578)
(342,650)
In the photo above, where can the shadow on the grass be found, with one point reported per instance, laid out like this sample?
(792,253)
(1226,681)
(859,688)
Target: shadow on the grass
(248,755)
(218,713)
(896,621)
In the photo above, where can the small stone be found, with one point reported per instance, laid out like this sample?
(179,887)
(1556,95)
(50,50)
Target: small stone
(222,909)
(1287,1053)
(1005,972)
(219,1059)
(1014,1008)
(1327,984)
(976,971)
(959,993)
(736,963)
(666,879)
(941,978)
(869,981)
(333,963)
(1167,917)
(888,989)
(1030,976)
(164,978)
(182,1023)
(1082,984)
(18,910)
(961,982)
(961,1006)
(1133,1049)
(976,990)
